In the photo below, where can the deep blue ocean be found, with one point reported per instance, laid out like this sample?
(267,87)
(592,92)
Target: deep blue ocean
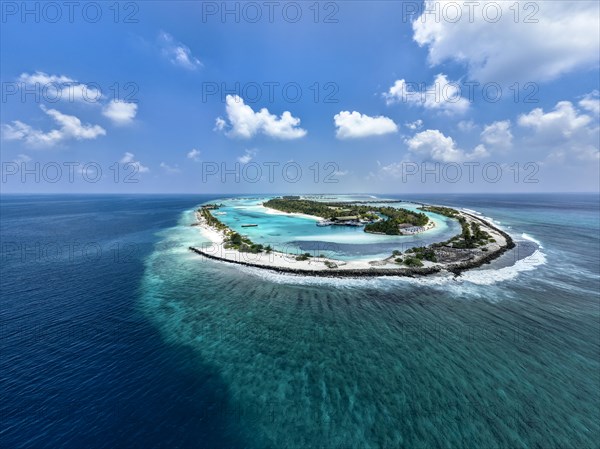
(114,335)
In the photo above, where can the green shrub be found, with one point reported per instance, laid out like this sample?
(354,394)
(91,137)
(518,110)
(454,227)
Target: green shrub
(412,262)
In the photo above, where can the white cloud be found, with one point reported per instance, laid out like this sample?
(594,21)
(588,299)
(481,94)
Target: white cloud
(466,126)
(563,129)
(563,38)
(43,79)
(220,124)
(179,54)
(70,127)
(22,158)
(129,159)
(169,169)
(247,156)
(417,124)
(120,112)
(591,102)
(351,125)
(497,135)
(443,95)
(562,122)
(433,145)
(245,123)
(60,87)
(194,155)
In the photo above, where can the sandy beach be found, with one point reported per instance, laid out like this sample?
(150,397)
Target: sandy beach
(270,211)
(286,262)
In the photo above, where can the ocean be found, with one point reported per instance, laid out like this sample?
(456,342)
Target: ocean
(113,334)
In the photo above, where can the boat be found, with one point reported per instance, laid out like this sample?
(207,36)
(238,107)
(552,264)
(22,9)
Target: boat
(324,223)
(251,225)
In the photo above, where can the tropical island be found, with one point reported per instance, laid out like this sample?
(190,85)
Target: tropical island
(376,220)
(479,241)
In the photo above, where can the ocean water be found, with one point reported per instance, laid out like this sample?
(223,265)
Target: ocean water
(297,234)
(112,334)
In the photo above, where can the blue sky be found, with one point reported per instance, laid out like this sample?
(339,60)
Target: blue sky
(341,97)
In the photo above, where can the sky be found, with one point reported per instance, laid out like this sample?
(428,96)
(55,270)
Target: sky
(299,97)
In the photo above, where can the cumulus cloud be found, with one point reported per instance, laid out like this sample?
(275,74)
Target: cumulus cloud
(417,124)
(247,156)
(179,54)
(245,123)
(43,79)
(59,87)
(169,169)
(591,102)
(433,145)
(194,155)
(70,127)
(497,135)
(547,40)
(352,125)
(129,160)
(220,124)
(443,95)
(563,128)
(466,126)
(563,122)
(120,112)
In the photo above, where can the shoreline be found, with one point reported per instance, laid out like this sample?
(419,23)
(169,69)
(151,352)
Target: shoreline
(269,210)
(326,267)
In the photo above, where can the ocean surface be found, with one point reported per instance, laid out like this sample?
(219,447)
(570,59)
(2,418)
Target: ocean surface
(113,334)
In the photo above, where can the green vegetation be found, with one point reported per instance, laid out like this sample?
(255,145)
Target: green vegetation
(316,208)
(423,253)
(330,211)
(210,219)
(446,211)
(243,244)
(234,240)
(304,256)
(470,237)
(412,262)
(395,218)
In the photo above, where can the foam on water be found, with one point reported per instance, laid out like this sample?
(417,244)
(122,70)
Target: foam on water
(486,276)
(532,239)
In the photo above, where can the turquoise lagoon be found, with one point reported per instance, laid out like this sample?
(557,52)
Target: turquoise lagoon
(291,233)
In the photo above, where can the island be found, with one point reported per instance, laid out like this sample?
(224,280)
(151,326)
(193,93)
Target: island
(376,220)
(478,243)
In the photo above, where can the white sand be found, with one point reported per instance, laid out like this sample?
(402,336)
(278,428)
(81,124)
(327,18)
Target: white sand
(270,211)
(277,259)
